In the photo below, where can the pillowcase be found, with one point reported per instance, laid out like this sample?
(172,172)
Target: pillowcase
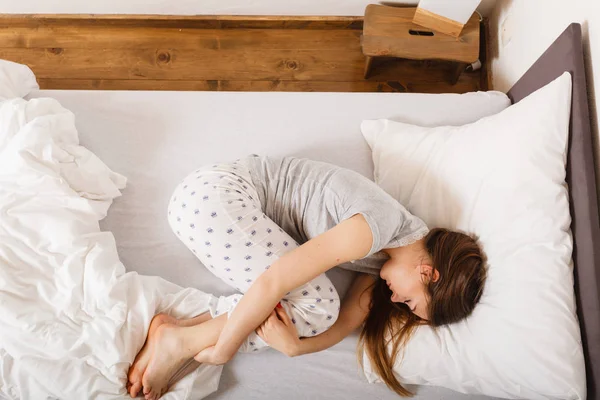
(501,178)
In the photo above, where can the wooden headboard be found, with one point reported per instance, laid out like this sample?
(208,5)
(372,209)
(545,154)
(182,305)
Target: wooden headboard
(236,53)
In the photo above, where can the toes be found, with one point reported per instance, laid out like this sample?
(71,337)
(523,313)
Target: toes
(135,389)
(154,395)
(133,374)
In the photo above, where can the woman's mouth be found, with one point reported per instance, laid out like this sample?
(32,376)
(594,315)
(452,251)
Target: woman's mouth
(393,293)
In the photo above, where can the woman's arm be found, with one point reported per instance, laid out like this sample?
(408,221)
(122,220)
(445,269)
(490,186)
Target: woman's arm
(351,239)
(281,334)
(353,313)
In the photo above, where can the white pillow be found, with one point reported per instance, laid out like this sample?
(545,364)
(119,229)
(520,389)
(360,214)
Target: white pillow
(503,179)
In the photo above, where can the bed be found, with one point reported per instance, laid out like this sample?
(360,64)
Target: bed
(156,138)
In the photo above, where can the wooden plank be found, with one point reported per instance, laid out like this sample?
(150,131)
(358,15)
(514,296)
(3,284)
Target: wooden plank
(207,64)
(221,85)
(94,37)
(137,53)
(182,21)
(202,64)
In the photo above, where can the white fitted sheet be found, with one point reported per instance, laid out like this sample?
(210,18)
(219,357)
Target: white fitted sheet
(156,138)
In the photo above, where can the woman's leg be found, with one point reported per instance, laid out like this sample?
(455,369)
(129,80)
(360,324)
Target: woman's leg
(217,214)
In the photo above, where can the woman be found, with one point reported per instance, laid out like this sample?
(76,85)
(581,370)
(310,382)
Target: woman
(244,221)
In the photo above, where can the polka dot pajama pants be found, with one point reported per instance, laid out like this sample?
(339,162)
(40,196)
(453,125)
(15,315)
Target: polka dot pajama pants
(216,213)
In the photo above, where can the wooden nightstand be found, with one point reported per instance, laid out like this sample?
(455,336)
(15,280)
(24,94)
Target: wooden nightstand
(390,32)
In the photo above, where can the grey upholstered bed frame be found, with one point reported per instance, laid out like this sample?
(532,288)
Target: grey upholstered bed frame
(566,54)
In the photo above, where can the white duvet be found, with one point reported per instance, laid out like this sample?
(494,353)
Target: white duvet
(71,318)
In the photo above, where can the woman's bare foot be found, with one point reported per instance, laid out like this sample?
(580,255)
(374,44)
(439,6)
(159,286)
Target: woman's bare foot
(166,359)
(136,371)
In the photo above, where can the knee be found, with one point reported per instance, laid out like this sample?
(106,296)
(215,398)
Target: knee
(312,316)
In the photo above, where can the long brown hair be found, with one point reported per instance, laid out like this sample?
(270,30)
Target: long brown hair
(460,263)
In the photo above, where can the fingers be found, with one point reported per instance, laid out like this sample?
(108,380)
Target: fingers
(267,325)
(283,316)
(270,319)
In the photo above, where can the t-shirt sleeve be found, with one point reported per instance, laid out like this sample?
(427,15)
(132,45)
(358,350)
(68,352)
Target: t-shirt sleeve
(392,225)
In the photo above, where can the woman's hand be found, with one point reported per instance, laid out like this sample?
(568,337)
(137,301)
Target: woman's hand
(280,333)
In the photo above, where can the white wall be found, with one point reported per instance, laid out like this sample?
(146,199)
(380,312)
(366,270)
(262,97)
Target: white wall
(522,30)
(205,7)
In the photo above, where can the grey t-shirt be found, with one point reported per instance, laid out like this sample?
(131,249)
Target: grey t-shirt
(306,198)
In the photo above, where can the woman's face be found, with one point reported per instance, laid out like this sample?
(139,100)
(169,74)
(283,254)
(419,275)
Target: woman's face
(406,277)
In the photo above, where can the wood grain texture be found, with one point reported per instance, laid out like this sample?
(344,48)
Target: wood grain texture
(183,21)
(387,32)
(101,37)
(210,53)
(436,22)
